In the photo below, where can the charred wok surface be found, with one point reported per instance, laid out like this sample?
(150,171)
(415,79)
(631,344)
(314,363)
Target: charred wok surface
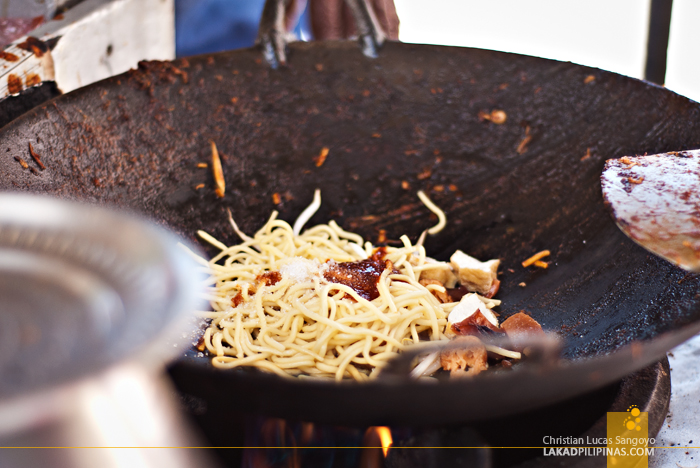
(412,119)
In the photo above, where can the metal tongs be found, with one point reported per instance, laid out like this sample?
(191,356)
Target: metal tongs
(540,351)
(655,200)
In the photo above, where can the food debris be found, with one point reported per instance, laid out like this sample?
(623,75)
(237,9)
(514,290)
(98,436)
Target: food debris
(587,155)
(522,146)
(538,256)
(321,158)
(234,100)
(319,67)
(217,170)
(200,186)
(405,185)
(522,285)
(496,116)
(202,165)
(381,238)
(14,83)
(628,161)
(589,79)
(32,79)
(632,180)
(36,157)
(376,135)
(34,45)
(22,162)
(276,199)
(10,57)
(425,173)
(541,264)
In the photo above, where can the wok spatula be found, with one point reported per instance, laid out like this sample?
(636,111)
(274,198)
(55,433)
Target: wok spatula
(655,200)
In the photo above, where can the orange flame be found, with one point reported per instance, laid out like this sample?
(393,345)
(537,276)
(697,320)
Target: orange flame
(385,438)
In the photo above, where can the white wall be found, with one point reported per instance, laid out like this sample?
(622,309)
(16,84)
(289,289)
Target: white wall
(608,34)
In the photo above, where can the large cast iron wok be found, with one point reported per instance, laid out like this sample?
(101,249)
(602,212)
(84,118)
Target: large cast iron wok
(415,114)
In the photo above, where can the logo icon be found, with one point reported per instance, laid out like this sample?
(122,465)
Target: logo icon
(632,422)
(628,439)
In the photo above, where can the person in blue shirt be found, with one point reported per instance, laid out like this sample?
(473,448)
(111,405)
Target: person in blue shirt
(204,26)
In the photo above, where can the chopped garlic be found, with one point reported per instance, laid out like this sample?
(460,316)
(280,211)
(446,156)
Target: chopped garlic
(475,275)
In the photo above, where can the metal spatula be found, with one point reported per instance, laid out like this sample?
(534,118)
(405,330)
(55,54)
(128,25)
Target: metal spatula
(655,200)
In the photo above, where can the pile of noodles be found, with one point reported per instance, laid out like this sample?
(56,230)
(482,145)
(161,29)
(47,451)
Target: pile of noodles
(304,325)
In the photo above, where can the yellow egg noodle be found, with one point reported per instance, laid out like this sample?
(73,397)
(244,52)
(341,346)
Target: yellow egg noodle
(303,325)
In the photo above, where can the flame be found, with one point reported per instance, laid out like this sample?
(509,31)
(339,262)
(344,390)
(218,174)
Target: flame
(384,434)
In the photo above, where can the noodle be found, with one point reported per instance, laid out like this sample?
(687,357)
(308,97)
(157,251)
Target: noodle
(275,308)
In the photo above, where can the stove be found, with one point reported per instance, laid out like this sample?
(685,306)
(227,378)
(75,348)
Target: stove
(515,441)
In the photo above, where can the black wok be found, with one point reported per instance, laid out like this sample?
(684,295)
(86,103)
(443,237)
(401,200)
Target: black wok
(415,114)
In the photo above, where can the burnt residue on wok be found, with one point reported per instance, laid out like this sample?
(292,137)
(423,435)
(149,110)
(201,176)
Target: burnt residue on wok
(418,117)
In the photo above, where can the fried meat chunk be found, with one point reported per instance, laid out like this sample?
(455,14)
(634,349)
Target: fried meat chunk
(467,359)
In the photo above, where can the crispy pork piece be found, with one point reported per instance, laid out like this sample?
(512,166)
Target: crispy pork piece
(466,360)
(470,314)
(494,289)
(440,271)
(476,275)
(521,325)
(441,296)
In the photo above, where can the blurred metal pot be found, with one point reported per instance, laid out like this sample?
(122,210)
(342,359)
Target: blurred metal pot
(93,303)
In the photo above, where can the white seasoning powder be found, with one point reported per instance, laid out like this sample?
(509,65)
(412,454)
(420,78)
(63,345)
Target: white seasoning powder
(301,270)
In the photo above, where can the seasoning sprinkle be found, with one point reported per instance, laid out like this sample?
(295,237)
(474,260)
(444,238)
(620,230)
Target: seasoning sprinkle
(217,170)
